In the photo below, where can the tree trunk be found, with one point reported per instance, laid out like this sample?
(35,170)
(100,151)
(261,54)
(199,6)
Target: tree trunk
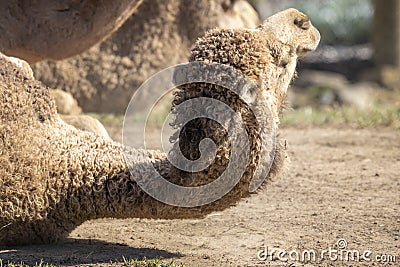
(386,34)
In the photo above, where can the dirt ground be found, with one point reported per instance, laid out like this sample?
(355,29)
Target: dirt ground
(342,184)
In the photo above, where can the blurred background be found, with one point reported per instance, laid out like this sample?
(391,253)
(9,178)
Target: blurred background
(354,76)
(352,79)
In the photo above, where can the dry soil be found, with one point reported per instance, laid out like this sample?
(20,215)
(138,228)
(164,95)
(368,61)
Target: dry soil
(341,184)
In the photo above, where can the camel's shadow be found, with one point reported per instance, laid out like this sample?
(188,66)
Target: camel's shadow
(79,251)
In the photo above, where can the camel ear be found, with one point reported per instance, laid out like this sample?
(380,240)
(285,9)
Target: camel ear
(302,22)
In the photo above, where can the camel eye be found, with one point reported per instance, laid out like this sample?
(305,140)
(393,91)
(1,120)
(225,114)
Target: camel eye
(228,5)
(302,23)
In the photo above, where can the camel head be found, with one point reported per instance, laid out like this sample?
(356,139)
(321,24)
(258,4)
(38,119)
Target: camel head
(293,28)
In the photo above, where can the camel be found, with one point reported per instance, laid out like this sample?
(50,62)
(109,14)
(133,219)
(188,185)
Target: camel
(159,34)
(54,177)
(38,30)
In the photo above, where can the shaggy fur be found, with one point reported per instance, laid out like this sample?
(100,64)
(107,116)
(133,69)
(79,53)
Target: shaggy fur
(158,35)
(268,57)
(54,177)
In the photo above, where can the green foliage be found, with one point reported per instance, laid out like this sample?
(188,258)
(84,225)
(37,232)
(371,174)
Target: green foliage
(340,21)
(149,263)
(21,264)
(111,120)
(156,117)
(129,262)
(315,92)
(388,116)
(380,115)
